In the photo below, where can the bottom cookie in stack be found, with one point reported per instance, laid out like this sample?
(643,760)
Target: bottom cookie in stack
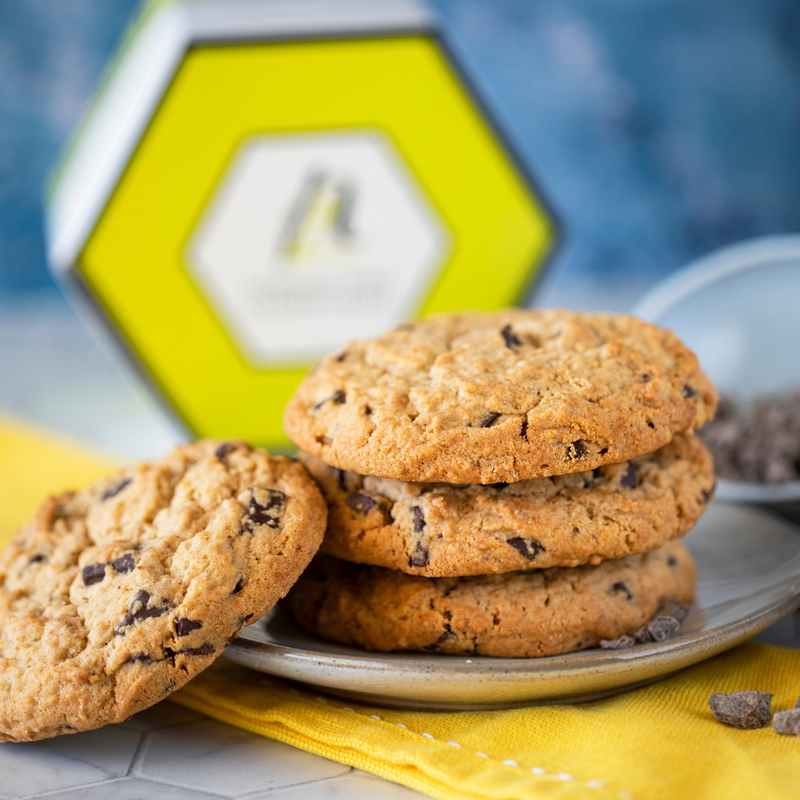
(534,568)
(515,614)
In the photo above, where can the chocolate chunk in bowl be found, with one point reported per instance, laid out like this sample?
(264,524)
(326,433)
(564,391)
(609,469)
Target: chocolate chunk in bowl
(757,442)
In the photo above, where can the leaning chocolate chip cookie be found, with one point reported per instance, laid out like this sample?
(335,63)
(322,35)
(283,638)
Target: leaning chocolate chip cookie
(114,597)
(440,529)
(517,614)
(487,399)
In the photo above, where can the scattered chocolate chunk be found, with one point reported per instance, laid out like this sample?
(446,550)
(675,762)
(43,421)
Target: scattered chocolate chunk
(124,563)
(645,378)
(621,643)
(672,561)
(264,508)
(489,420)
(577,450)
(642,636)
(523,434)
(420,557)
(746,710)
(140,610)
(787,722)
(688,392)
(239,586)
(342,356)
(94,573)
(662,628)
(510,338)
(674,608)
(183,626)
(622,588)
(707,494)
(529,548)
(419,519)
(664,625)
(630,478)
(361,503)
(222,450)
(38,558)
(116,489)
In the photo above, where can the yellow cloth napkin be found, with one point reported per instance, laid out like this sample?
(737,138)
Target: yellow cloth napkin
(660,742)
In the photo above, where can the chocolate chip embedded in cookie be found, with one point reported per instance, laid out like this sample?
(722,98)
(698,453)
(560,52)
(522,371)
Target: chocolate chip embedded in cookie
(517,614)
(116,596)
(485,399)
(436,529)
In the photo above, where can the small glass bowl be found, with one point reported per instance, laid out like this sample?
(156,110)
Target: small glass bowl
(739,310)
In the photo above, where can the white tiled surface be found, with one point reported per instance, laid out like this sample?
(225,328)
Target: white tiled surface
(52,372)
(172,753)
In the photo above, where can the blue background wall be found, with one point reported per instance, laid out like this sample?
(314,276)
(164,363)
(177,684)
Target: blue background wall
(659,130)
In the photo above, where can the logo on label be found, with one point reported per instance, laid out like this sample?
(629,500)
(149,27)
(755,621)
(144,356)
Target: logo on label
(320,222)
(311,241)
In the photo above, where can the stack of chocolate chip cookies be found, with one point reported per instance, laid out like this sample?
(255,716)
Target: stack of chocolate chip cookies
(505,485)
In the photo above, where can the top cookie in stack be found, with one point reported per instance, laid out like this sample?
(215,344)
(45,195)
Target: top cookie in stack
(498,399)
(473,447)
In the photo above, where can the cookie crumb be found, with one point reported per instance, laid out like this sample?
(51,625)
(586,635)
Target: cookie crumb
(746,710)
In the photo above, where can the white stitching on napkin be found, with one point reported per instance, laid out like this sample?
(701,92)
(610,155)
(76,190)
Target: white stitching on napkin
(509,762)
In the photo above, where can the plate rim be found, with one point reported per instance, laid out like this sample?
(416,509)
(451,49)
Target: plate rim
(693,646)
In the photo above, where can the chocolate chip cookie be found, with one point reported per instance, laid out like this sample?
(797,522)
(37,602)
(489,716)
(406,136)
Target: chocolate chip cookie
(443,529)
(517,614)
(486,399)
(116,596)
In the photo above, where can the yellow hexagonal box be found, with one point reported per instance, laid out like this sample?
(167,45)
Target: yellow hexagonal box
(260,182)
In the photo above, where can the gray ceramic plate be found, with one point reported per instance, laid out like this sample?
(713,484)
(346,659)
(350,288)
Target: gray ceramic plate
(749,577)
